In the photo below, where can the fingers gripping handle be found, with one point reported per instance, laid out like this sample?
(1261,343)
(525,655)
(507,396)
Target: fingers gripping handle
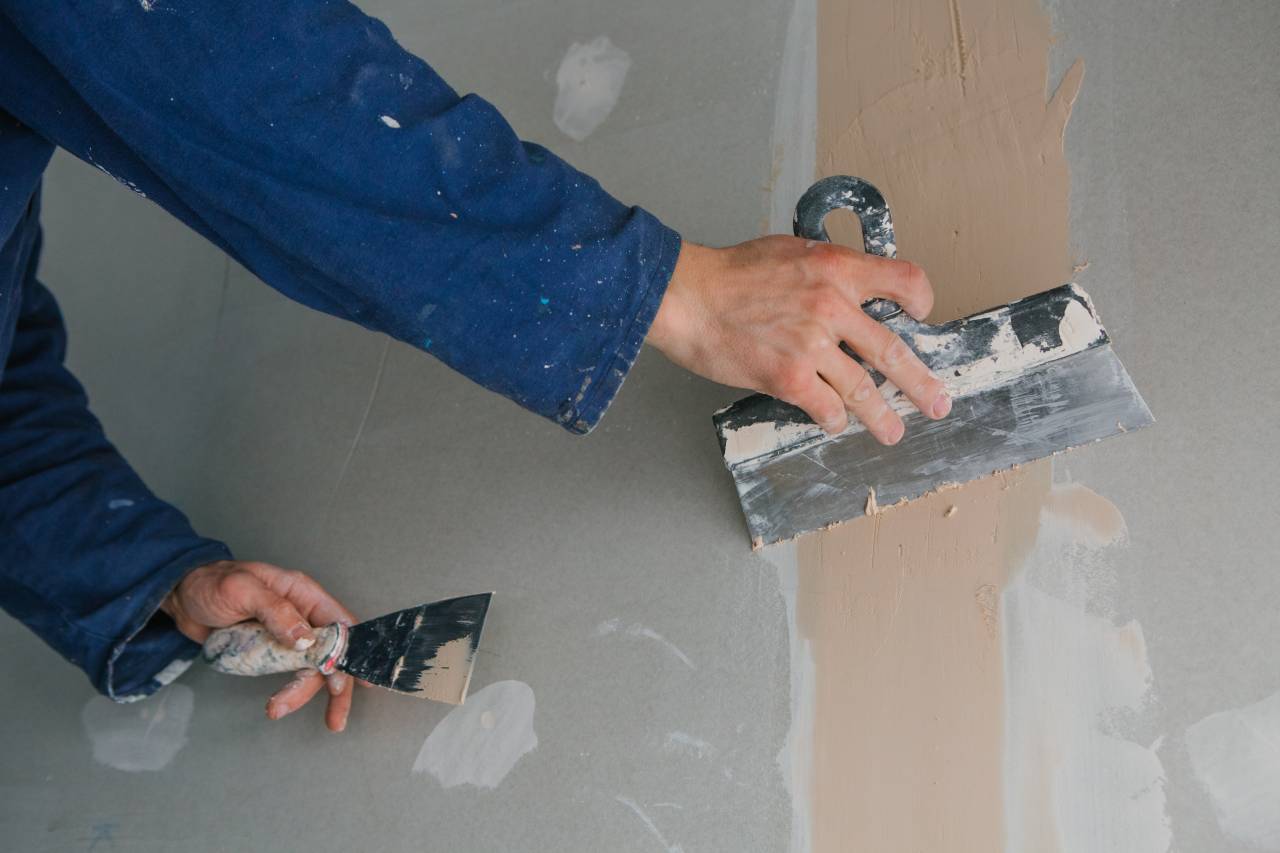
(855,194)
(248,649)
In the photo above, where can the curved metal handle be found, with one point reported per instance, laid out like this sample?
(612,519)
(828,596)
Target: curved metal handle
(850,193)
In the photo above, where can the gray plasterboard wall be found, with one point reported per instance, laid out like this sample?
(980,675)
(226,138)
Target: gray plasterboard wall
(243,409)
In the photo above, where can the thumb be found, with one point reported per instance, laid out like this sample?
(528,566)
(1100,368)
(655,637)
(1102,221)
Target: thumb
(281,619)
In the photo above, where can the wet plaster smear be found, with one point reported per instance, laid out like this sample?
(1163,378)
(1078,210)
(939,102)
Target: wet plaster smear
(924,713)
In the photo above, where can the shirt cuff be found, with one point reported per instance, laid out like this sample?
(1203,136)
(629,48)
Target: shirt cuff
(153,652)
(590,406)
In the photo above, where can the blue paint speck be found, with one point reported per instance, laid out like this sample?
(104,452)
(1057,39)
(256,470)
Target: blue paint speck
(544,300)
(426,344)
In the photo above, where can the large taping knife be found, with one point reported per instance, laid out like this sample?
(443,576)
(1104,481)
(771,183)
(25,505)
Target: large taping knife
(1027,380)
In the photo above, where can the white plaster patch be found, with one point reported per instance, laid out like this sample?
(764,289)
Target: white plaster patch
(390,122)
(1074,779)
(613,626)
(478,742)
(1236,757)
(588,84)
(143,736)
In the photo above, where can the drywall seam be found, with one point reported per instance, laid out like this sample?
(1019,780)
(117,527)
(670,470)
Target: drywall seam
(795,758)
(795,127)
(897,634)
(795,116)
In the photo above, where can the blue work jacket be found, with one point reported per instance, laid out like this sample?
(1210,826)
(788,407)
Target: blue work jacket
(300,138)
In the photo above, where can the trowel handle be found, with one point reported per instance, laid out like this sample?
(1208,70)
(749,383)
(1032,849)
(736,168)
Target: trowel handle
(248,649)
(850,193)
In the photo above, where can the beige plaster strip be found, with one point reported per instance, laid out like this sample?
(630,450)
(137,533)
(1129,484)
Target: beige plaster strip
(943,107)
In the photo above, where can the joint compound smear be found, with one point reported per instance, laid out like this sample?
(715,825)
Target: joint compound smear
(897,629)
(141,736)
(478,742)
(1236,757)
(588,85)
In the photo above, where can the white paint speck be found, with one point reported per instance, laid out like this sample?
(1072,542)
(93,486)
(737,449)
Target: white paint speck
(173,670)
(1236,757)
(119,503)
(478,743)
(613,626)
(588,85)
(390,122)
(143,736)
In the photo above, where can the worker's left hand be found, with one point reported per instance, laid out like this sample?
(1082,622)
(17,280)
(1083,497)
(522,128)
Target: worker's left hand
(287,602)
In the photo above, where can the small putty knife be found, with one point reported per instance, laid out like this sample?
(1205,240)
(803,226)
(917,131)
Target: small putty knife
(426,651)
(1027,380)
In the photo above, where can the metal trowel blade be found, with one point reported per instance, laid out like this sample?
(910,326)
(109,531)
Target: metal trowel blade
(1027,380)
(426,651)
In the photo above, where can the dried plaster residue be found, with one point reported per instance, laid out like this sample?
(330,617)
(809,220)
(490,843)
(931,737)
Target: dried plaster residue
(588,85)
(479,742)
(139,736)
(1236,758)
(1081,768)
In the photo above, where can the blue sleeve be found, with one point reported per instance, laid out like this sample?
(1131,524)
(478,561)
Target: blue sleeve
(87,553)
(341,169)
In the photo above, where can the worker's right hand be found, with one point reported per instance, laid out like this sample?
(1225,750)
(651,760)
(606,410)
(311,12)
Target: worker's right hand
(287,603)
(770,315)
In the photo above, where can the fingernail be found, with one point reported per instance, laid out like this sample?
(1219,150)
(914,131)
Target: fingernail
(302,637)
(342,727)
(274,711)
(942,405)
(895,433)
(337,683)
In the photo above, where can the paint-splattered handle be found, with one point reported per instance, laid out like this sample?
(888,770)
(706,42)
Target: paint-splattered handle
(248,649)
(855,194)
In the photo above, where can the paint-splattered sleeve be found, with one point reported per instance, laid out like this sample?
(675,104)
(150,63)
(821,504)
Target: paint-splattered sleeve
(341,169)
(87,552)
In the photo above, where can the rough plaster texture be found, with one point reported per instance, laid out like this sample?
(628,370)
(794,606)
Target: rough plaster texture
(245,409)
